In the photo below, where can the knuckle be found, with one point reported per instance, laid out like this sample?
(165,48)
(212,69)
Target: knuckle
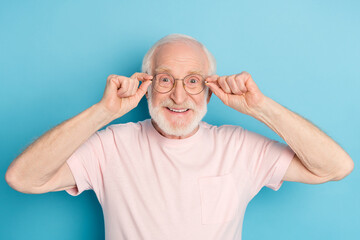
(110,77)
(245,73)
(135,75)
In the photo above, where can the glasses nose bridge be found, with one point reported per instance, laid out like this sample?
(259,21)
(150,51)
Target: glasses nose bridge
(179,79)
(175,83)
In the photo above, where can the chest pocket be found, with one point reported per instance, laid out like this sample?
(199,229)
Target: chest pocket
(219,199)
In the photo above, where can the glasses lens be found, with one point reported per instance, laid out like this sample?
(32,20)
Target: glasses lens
(194,84)
(163,82)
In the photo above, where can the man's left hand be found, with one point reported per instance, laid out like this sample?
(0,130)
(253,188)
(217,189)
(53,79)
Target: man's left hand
(237,91)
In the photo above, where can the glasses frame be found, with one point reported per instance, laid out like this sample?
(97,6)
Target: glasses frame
(180,79)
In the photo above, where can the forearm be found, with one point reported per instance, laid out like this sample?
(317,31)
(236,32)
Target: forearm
(41,160)
(318,152)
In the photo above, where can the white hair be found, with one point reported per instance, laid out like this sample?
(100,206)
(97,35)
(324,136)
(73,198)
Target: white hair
(175,37)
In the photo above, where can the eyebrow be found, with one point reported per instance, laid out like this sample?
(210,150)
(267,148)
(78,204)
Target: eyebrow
(165,69)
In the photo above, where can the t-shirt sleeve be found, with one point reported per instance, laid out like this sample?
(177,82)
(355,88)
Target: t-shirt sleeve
(87,164)
(267,162)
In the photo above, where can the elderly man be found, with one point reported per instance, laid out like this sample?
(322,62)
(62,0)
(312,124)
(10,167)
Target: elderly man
(174,176)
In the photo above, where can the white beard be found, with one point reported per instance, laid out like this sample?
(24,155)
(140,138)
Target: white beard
(179,128)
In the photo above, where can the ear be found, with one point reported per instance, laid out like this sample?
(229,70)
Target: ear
(209,96)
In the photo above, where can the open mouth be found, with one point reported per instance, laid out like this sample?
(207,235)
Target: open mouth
(174,110)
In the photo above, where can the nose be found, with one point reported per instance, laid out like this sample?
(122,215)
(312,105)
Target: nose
(178,93)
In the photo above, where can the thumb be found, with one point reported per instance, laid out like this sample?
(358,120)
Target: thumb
(217,91)
(142,90)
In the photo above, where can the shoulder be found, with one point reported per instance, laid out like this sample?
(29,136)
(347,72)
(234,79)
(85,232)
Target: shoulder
(123,129)
(225,127)
(223,130)
(234,132)
(124,126)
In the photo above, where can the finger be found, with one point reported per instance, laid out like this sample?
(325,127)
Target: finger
(114,83)
(212,78)
(135,87)
(111,77)
(142,90)
(249,82)
(217,91)
(131,88)
(225,87)
(141,76)
(234,87)
(124,87)
(241,83)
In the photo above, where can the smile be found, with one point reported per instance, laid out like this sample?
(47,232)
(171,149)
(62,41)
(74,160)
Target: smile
(178,110)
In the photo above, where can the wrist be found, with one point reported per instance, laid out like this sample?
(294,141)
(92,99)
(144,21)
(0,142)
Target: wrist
(103,114)
(267,109)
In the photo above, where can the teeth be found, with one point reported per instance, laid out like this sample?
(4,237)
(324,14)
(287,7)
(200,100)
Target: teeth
(174,110)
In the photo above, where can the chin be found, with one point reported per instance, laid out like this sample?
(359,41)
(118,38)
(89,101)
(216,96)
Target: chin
(181,126)
(176,128)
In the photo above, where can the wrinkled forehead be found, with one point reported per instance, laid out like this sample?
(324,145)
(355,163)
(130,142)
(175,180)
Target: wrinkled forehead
(180,58)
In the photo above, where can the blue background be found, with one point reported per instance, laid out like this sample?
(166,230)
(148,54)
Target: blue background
(56,55)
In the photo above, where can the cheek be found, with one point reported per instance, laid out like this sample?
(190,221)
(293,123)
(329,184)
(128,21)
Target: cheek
(157,100)
(199,103)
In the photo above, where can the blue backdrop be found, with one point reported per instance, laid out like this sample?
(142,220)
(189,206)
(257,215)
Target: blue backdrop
(55,57)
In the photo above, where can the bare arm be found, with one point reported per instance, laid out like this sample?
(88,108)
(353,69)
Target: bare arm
(320,154)
(40,161)
(318,157)
(41,167)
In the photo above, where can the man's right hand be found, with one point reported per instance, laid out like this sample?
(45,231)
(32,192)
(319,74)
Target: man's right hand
(122,94)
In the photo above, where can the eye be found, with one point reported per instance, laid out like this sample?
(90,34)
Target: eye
(165,79)
(193,80)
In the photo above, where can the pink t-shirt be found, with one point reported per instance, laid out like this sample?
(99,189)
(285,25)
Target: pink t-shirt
(152,187)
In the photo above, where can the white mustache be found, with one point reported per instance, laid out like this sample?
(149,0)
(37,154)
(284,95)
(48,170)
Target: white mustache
(168,103)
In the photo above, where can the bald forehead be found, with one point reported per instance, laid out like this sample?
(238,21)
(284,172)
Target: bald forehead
(181,54)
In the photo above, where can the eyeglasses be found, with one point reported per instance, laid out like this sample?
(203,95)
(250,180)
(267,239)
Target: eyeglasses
(193,83)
